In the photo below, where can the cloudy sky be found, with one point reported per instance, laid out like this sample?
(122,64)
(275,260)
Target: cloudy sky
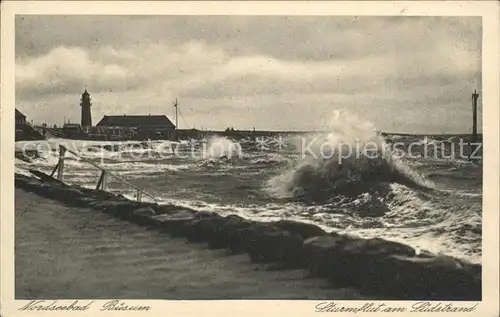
(405,74)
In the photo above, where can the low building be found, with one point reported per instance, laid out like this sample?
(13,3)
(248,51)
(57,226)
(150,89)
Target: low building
(24,131)
(189,134)
(20,120)
(155,127)
(73,130)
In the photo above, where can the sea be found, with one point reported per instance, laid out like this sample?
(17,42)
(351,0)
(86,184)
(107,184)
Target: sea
(421,190)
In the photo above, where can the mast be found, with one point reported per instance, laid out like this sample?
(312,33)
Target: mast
(475,96)
(176,114)
(176,133)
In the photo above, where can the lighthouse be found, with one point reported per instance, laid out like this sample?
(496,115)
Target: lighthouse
(86,104)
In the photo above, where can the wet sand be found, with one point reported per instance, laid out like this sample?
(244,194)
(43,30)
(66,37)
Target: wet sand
(65,252)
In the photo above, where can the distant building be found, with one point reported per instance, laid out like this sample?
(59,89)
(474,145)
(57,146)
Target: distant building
(86,114)
(189,134)
(72,130)
(20,120)
(24,131)
(142,127)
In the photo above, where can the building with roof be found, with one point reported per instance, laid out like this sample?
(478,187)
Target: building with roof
(137,126)
(20,119)
(73,131)
(24,131)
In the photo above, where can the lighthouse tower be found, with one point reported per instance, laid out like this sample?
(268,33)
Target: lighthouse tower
(86,104)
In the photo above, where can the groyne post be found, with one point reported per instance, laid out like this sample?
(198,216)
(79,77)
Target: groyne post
(54,170)
(102,182)
(60,164)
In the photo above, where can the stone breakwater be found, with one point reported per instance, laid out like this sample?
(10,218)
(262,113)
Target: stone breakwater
(388,269)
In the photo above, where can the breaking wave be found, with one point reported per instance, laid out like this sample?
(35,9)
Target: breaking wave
(350,160)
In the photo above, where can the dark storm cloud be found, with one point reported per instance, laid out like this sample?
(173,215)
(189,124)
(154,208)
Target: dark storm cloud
(393,64)
(282,37)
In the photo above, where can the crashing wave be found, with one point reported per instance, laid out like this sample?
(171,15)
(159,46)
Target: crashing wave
(350,160)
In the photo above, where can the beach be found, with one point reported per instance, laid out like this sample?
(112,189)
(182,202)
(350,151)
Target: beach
(67,252)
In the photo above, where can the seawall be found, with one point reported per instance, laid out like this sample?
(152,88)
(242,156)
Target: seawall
(377,266)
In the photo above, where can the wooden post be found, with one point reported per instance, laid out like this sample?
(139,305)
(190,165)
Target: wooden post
(139,193)
(54,170)
(104,184)
(475,96)
(101,184)
(60,171)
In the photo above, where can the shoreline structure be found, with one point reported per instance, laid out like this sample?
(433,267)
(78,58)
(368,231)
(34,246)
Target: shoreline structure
(375,266)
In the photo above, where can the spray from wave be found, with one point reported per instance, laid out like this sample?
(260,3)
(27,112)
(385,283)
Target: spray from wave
(222,147)
(219,150)
(351,159)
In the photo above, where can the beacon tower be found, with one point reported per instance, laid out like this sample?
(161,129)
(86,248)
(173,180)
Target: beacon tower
(86,104)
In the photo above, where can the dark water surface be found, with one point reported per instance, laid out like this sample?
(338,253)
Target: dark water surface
(431,202)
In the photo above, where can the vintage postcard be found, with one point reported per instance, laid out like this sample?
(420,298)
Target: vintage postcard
(250,158)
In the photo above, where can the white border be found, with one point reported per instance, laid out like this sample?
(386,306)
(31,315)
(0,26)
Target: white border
(489,10)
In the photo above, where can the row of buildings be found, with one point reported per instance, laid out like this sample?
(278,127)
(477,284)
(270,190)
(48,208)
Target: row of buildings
(120,127)
(110,127)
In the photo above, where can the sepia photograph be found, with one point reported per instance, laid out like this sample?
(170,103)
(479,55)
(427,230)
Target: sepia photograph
(249,157)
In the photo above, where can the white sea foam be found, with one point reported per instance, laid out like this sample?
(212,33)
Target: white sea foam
(411,217)
(357,156)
